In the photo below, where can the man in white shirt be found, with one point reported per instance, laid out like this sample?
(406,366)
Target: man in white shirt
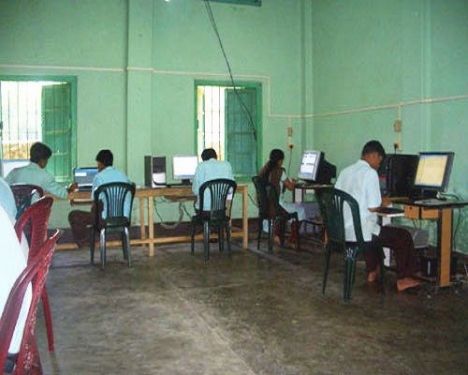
(35,174)
(12,263)
(209,169)
(80,220)
(361,181)
(7,200)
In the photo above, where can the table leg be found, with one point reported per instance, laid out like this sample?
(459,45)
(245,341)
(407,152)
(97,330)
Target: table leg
(445,246)
(151,226)
(142,218)
(245,218)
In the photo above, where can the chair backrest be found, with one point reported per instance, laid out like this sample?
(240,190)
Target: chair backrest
(219,190)
(267,198)
(24,194)
(116,199)
(34,222)
(35,273)
(332,208)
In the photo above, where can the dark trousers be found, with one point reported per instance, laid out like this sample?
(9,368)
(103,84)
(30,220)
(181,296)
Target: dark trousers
(401,242)
(80,222)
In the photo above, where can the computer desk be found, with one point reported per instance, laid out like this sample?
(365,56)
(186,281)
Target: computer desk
(443,213)
(146,197)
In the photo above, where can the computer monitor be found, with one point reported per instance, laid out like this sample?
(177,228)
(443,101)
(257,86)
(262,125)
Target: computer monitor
(183,167)
(309,165)
(84,176)
(315,168)
(433,172)
(396,174)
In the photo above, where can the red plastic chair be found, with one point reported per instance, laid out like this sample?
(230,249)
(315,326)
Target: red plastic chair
(28,360)
(34,221)
(23,194)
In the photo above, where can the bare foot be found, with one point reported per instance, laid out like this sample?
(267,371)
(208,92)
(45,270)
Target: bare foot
(277,240)
(406,283)
(372,276)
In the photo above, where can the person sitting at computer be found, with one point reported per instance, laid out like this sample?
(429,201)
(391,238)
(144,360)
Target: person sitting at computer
(80,220)
(35,174)
(274,173)
(209,169)
(361,181)
(7,200)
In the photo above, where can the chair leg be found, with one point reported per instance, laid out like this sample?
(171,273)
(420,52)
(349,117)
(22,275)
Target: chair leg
(270,235)
(221,238)
(102,247)
(127,246)
(228,237)
(259,234)
(206,240)
(350,268)
(192,248)
(48,319)
(327,266)
(92,244)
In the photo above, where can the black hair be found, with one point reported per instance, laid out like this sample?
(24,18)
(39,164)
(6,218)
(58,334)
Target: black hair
(373,146)
(105,157)
(39,151)
(209,153)
(275,156)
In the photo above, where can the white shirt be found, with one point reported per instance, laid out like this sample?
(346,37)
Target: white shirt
(208,170)
(12,263)
(7,200)
(361,181)
(35,175)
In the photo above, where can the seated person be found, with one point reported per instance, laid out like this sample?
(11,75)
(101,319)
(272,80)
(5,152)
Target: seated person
(12,263)
(35,174)
(7,200)
(80,220)
(362,182)
(274,173)
(209,169)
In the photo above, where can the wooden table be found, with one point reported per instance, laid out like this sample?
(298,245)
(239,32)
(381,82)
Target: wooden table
(443,213)
(146,197)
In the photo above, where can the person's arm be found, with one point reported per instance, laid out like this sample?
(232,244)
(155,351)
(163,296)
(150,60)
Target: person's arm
(372,187)
(287,182)
(53,187)
(196,180)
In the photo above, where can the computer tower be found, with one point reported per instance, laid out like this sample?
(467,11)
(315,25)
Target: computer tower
(155,171)
(397,174)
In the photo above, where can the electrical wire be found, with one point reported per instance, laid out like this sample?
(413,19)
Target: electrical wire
(236,92)
(182,209)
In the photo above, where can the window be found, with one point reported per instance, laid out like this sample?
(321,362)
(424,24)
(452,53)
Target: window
(227,120)
(37,111)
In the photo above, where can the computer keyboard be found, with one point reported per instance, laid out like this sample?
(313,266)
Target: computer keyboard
(389,210)
(431,202)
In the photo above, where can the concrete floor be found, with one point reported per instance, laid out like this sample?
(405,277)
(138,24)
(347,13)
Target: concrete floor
(248,314)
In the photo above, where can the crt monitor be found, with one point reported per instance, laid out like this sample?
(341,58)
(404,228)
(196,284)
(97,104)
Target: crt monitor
(433,171)
(315,168)
(309,165)
(396,174)
(183,167)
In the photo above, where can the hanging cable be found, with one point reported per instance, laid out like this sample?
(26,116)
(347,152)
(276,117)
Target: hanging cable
(236,92)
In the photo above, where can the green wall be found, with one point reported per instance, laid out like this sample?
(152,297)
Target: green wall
(377,61)
(338,72)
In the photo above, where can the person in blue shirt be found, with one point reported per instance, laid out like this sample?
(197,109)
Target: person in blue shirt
(35,174)
(80,220)
(209,169)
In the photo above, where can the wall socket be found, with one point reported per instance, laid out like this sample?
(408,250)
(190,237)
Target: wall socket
(397,126)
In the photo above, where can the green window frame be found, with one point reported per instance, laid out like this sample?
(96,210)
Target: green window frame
(58,121)
(237,136)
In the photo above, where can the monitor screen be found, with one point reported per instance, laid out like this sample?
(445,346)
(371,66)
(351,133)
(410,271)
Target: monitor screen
(184,166)
(309,165)
(433,170)
(84,176)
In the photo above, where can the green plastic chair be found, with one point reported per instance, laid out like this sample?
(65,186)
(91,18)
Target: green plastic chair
(332,202)
(270,209)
